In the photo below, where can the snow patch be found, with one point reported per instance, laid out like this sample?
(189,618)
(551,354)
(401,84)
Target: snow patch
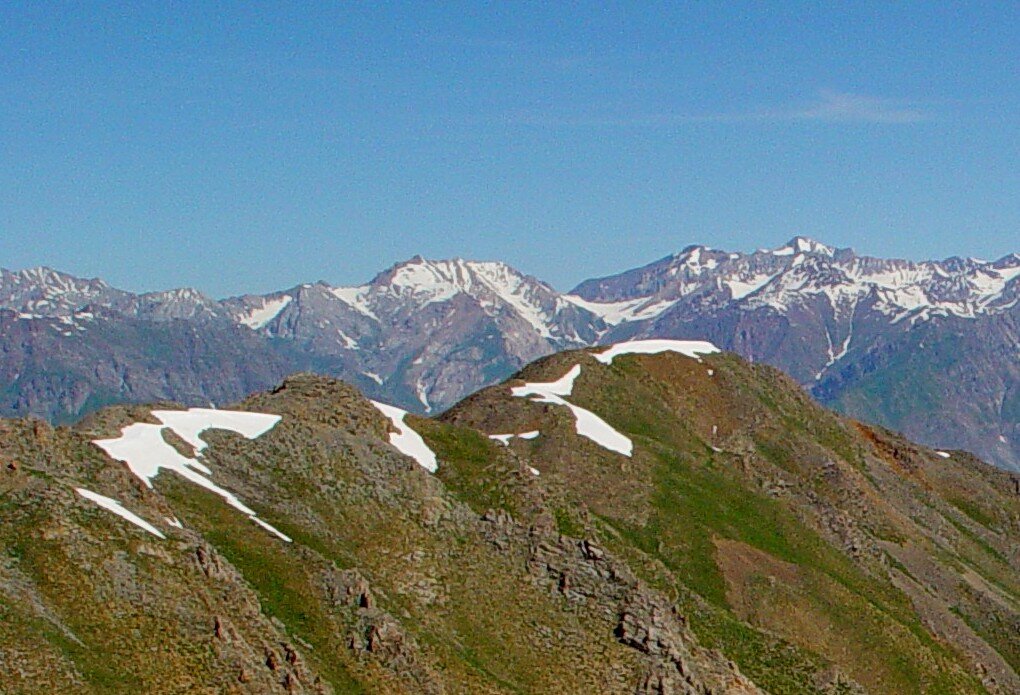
(505,438)
(118,509)
(834,356)
(347,341)
(741,288)
(191,423)
(688,348)
(615,313)
(142,447)
(943,454)
(586,423)
(270,309)
(563,386)
(356,298)
(590,425)
(271,529)
(406,440)
(423,396)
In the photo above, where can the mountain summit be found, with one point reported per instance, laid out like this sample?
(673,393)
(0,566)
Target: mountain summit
(803,269)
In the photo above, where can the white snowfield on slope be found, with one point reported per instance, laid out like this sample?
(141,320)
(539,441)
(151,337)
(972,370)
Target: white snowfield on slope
(143,449)
(406,440)
(117,508)
(191,423)
(689,348)
(588,424)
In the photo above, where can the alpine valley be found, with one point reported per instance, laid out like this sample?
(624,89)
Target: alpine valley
(656,517)
(930,349)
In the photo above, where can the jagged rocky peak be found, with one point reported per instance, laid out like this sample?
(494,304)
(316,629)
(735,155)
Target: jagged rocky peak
(442,279)
(182,303)
(42,291)
(803,244)
(800,270)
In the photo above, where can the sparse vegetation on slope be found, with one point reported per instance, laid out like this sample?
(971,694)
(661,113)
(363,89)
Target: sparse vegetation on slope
(752,540)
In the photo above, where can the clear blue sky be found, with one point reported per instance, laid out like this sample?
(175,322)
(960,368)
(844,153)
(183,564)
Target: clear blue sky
(249,147)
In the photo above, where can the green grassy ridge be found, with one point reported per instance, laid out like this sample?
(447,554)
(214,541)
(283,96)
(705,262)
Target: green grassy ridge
(474,468)
(778,666)
(696,498)
(725,506)
(485,630)
(480,473)
(774,664)
(703,503)
(478,634)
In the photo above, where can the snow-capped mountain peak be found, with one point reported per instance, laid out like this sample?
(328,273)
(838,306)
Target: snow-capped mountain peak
(801,244)
(44,292)
(499,291)
(424,317)
(431,281)
(801,269)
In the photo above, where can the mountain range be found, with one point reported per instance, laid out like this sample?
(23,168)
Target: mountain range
(931,349)
(658,518)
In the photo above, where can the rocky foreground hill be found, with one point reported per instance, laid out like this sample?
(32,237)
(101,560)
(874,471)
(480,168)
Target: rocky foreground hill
(931,349)
(604,521)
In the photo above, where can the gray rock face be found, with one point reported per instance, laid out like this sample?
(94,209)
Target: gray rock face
(860,333)
(62,368)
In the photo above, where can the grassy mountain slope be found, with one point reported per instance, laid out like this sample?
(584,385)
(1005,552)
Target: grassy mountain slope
(753,541)
(891,561)
(394,581)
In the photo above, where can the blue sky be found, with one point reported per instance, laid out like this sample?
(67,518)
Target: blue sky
(249,147)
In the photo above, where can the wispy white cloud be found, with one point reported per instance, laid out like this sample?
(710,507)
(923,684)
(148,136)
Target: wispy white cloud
(826,107)
(846,107)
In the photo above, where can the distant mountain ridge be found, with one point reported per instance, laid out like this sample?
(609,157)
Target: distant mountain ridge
(930,348)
